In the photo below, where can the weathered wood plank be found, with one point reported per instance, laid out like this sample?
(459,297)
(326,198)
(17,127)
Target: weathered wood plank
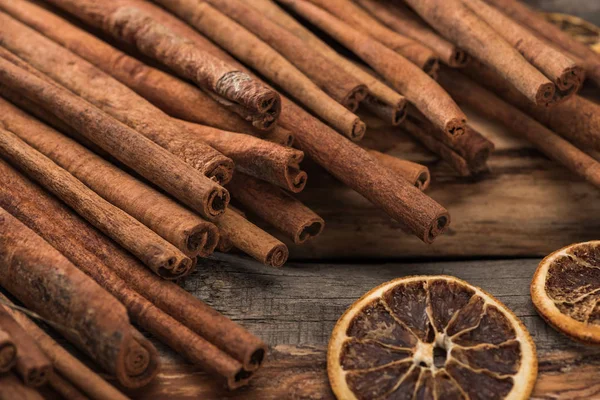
(295,308)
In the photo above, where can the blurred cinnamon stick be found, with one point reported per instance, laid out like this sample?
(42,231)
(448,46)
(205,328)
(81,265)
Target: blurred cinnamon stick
(416,174)
(8,351)
(279,209)
(402,20)
(176,224)
(264,160)
(131,148)
(455,21)
(49,285)
(64,388)
(403,75)
(362,21)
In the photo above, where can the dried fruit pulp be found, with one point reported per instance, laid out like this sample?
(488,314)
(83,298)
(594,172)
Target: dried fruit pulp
(430,337)
(566,291)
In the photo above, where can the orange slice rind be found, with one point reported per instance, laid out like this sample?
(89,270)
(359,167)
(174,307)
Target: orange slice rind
(430,337)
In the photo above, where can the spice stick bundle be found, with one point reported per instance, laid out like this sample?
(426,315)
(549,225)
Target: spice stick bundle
(255,53)
(112,97)
(264,160)
(399,18)
(234,88)
(282,211)
(176,224)
(418,87)
(169,93)
(334,80)
(414,173)
(96,255)
(555,147)
(381,99)
(155,252)
(529,19)
(359,19)
(32,365)
(131,148)
(458,23)
(70,367)
(48,284)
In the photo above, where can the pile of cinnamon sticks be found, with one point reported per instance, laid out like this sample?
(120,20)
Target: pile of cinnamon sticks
(119,155)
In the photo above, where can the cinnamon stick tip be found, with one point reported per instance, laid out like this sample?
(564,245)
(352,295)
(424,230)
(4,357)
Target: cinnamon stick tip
(456,127)
(571,79)
(432,67)
(298,182)
(355,97)
(423,180)
(8,357)
(399,112)
(203,240)
(309,230)
(222,171)
(218,200)
(240,379)
(277,256)
(459,59)
(138,364)
(545,94)
(38,376)
(256,358)
(358,130)
(437,227)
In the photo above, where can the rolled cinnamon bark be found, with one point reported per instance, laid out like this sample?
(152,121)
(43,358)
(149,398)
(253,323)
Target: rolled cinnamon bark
(252,240)
(232,87)
(64,388)
(159,255)
(455,21)
(361,20)
(577,119)
(8,351)
(416,174)
(70,367)
(112,97)
(402,20)
(48,284)
(180,338)
(264,160)
(531,20)
(418,88)
(254,52)
(560,69)
(279,209)
(381,100)
(131,148)
(522,125)
(32,365)
(12,388)
(176,224)
(279,135)
(74,236)
(167,92)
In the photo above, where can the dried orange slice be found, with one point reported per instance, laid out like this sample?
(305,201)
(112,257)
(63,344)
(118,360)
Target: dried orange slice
(566,291)
(430,337)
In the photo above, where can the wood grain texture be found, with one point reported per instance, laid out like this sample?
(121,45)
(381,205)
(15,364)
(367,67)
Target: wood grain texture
(526,206)
(294,310)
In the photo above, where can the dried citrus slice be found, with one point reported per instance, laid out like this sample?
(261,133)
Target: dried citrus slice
(566,291)
(430,337)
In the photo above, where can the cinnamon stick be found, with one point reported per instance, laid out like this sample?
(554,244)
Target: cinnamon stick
(174,96)
(70,367)
(264,160)
(12,388)
(171,332)
(279,135)
(112,97)
(64,388)
(75,237)
(232,87)
(176,224)
(279,209)
(414,173)
(403,75)
(381,99)
(522,125)
(48,284)
(8,351)
(455,21)
(131,148)
(254,52)
(531,20)
(33,367)
(559,68)
(359,19)
(159,255)
(577,119)
(402,20)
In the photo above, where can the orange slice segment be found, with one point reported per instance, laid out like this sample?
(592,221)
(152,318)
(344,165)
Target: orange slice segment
(566,291)
(430,338)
